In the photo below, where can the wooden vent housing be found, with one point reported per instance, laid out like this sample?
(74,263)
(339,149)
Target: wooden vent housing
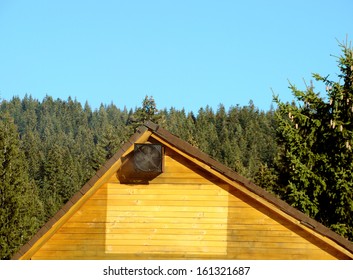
(148,158)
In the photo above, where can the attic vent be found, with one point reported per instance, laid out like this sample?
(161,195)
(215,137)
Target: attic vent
(148,158)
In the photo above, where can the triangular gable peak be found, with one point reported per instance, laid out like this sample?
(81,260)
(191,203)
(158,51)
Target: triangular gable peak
(194,208)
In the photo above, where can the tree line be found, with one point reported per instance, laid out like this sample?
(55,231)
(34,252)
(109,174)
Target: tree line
(300,151)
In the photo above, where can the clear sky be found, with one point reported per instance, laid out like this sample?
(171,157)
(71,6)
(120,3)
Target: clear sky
(186,54)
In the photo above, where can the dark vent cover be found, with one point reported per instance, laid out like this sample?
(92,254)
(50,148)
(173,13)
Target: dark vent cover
(148,158)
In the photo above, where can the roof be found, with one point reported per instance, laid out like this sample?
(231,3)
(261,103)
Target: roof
(210,164)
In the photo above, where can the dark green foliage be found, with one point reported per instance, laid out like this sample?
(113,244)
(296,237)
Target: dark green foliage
(242,137)
(20,209)
(316,160)
(148,112)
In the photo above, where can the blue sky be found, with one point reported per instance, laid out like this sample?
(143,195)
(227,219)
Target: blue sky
(186,54)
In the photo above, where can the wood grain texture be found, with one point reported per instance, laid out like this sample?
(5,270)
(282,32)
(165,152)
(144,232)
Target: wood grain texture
(184,213)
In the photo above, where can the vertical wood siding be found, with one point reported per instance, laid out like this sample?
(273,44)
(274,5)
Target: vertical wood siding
(183,213)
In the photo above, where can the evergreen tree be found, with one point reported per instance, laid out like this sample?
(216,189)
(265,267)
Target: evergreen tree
(178,123)
(148,112)
(51,185)
(206,133)
(20,208)
(316,138)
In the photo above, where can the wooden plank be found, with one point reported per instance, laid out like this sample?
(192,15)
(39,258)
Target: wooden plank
(136,226)
(271,230)
(281,254)
(135,249)
(161,197)
(163,180)
(80,230)
(186,186)
(137,220)
(76,237)
(70,244)
(107,194)
(147,231)
(267,240)
(277,231)
(158,208)
(166,206)
(169,215)
(171,174)
(164,188)
(165,214)
(125,256)
(93,255)
(157,225)
(73,244)
(171,220)
(140,202)
(232,215)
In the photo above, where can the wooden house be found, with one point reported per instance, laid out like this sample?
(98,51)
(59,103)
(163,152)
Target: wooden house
(161,198)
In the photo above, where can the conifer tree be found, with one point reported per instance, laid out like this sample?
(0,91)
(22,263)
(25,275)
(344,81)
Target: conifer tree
(206,133)
(316,138)
(20,208)
(148,112)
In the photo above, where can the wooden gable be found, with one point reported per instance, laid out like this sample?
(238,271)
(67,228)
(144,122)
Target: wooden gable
(195,209)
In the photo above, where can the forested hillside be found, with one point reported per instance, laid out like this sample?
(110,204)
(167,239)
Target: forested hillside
(301,151)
